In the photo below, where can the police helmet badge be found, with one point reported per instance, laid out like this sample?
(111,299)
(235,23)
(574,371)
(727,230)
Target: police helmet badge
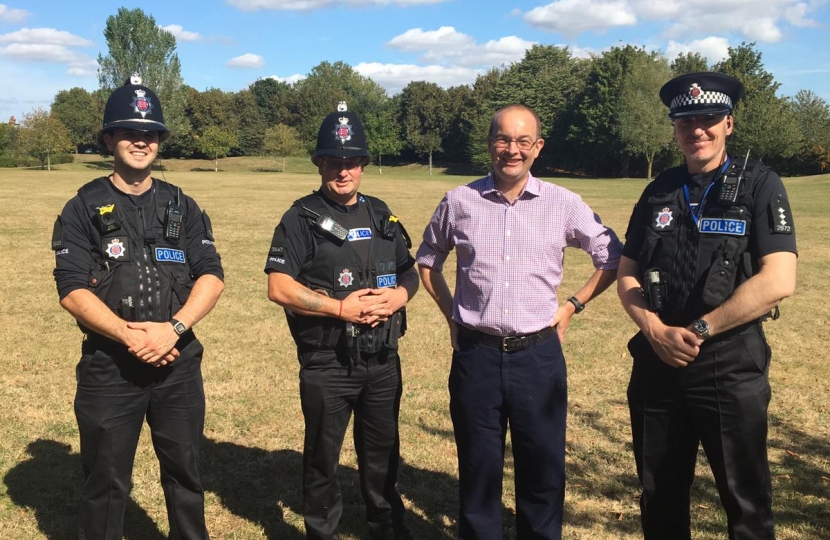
(346,279)
(664,218)
(115,249)
(141,103)
(343,131)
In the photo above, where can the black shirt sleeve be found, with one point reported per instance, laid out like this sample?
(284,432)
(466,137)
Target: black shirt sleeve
(73,258)
(637,224)
(290,245)
(773,229)
(403,259)
(201,253)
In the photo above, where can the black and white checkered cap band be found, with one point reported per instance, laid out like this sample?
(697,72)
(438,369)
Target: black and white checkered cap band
(704,98)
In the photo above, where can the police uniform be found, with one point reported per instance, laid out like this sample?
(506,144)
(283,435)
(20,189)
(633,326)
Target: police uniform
(141,263)
(346,367)
(694,247)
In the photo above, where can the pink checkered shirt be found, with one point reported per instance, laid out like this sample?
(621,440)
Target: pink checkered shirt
(509,256)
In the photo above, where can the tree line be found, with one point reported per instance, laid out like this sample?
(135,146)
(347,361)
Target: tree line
(601,116)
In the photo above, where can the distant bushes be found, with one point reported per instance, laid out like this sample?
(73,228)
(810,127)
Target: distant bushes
(9,161)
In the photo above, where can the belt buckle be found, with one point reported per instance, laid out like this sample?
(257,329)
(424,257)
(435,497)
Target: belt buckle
(512,343)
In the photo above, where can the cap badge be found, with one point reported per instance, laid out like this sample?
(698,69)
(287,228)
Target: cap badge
(343,131)
(141,103)
(695,90)
(664,218)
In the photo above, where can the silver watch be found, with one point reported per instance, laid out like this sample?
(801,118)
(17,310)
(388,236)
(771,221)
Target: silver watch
(701,328)
(178,327)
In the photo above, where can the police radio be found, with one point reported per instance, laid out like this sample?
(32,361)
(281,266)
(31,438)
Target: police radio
(327,225)
(730,184)
(173,218)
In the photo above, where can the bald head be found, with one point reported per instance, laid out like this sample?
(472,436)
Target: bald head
(494,122)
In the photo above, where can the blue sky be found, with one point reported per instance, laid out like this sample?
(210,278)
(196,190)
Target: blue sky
(48,46)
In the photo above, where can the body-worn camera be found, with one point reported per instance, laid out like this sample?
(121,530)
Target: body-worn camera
(654,289)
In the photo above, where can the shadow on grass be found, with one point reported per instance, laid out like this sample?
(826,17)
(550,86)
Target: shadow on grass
(49,483)
(256,484)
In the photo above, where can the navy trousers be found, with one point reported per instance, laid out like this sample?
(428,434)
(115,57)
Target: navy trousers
(720,401)
(115,394)
(527,391)
(331,388)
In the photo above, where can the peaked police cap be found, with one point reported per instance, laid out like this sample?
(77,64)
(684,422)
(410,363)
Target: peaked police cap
(133,106)
(703,93)
(341,135)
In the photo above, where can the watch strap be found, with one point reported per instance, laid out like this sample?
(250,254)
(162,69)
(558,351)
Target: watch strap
(579,306)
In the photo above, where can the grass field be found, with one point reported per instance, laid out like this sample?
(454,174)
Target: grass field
(253,438)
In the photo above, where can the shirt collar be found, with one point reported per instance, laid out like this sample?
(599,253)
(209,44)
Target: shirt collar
(533,187)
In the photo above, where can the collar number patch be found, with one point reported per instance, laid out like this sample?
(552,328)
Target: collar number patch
(780,216)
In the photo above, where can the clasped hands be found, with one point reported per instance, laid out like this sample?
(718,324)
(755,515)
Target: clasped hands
(371,306)
(153,343)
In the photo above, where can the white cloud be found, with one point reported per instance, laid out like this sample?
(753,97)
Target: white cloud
(45,36)
(713,49)
(181,34)
(755,20)
(576,16)
(394,77)
(310,5)
(12,15)
(448,45)
(246,61)
(48,45)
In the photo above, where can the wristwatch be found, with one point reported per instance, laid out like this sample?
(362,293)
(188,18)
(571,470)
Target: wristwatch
(178,327)
(701,328)
(579,306)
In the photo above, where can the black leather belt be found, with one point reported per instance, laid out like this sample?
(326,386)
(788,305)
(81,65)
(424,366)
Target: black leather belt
(511,343)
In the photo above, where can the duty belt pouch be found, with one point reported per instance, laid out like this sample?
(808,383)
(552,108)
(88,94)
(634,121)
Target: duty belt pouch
(721,279)
(395,329)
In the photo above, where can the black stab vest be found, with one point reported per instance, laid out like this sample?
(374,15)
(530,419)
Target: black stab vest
(336,270)
(136,272)
(701,264)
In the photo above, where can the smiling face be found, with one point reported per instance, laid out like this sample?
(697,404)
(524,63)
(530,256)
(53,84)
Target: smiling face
(514,144)
(702,140)
(132,150)
(341,178)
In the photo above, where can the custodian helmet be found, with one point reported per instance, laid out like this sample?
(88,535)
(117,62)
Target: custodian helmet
(133,106)
(341,135)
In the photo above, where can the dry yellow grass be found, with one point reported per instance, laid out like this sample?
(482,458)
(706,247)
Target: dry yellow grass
(253,438)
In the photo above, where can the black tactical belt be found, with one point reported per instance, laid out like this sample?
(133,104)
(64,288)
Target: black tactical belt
(512,343)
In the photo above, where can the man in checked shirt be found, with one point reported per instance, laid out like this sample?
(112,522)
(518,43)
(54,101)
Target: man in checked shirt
(510,231)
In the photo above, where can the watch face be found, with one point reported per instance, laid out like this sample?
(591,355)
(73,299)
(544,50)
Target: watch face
(701,327)
(179,328)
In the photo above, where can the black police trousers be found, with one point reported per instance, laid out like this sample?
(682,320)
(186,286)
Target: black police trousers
(115,393)
(331,388)
(720,401)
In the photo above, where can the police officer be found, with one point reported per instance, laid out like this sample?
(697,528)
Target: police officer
(711,243)
(339,264)
(137,268)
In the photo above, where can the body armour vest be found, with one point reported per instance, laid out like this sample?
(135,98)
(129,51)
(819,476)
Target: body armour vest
(140,267)
(335,269)
(702,256)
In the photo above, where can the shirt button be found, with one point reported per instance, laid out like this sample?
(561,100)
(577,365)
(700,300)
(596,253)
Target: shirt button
(506,284)
(505,312)
(507,233)
(507,258)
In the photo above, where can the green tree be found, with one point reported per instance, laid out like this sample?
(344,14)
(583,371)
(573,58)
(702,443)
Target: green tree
(42,135)
(595,126)
(424,117)
(812,114)
(250,125)
(276,101)
(478,118)
(138,45)
(281,141)
(383,134)
(216,143)
(764,124)
(7,137)
(689,63)
(644,128)
(77,109)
